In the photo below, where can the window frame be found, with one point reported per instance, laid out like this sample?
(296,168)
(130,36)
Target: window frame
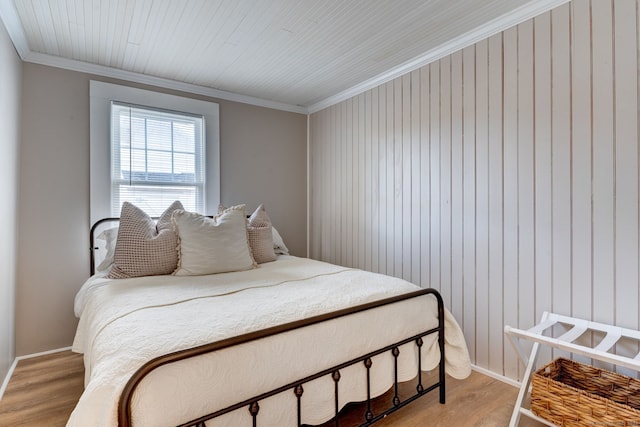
(147,113)
(101,96)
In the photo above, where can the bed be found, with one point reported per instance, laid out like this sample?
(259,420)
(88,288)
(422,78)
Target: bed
(288,343)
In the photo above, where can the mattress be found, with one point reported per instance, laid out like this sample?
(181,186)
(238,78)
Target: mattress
(126,322)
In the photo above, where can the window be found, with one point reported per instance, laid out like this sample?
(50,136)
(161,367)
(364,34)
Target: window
(156,157)
(165,148)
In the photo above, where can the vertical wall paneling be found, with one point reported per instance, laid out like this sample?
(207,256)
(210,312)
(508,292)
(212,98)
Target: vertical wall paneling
(350,164)
(542,165)
(314,162)
(425,183)
(495,150)
(510,190)
(375,183)
(335,190)
(416,226)
(338,157)
(560,161)
(341,207)
(526,190)
(406,260)
(434,176)
(333,144)
(445,180)
(361,178)
(348,167)
(362,188)
(626,163)
(322,212)
(482,204)
(581,151)
(469,197)
(626,167)
(319,184)
(368,180)
(457,229)
(505,175)
(390,202)
(325,210)
(382,178)
(602,161)
(337,200)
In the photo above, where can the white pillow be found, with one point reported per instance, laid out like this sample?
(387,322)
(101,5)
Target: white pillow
(212,245)
(109,236)
(278,243)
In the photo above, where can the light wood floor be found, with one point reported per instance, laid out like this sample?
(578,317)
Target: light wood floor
(44,390)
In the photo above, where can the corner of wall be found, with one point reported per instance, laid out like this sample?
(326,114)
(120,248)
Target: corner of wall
(10,108)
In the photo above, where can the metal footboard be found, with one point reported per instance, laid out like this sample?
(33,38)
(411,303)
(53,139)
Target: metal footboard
(297,387)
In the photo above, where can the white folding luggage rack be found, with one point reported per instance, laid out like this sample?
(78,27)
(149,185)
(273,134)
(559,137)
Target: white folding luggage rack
(566,342)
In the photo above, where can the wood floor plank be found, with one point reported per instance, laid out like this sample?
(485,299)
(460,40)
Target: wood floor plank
(44,390)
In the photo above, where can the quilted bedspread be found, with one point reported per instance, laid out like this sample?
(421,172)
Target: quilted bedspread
(127,322)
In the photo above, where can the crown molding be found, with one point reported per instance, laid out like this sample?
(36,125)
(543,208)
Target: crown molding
(508,20)
(101,70)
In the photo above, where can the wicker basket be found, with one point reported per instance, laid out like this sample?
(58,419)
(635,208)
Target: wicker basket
(572,394)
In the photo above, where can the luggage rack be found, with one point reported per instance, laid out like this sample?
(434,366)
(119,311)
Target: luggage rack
(577,327)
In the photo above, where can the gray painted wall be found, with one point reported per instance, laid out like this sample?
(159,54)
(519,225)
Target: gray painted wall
(263,160)
(10,83)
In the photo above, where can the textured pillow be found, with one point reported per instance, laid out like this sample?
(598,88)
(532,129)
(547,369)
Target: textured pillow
(277,243)
(145,248)
(212,245)
(260,236)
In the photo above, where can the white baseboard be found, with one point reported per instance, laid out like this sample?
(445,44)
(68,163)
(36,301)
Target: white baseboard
(43,353)
(5,383)
(498,377)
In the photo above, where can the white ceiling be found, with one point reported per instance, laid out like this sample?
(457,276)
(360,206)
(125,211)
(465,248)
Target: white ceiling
(299,53)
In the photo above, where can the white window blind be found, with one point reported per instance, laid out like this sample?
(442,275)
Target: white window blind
(157,157)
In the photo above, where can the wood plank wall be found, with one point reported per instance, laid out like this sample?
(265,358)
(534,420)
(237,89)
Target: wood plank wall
(505,175)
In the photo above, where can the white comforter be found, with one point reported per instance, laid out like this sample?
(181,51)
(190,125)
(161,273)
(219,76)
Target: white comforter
(124,323)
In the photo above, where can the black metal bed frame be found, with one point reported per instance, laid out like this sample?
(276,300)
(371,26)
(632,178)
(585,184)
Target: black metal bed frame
(297,387)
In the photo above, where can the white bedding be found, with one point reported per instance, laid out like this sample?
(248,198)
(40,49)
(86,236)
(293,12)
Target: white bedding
(124,323)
